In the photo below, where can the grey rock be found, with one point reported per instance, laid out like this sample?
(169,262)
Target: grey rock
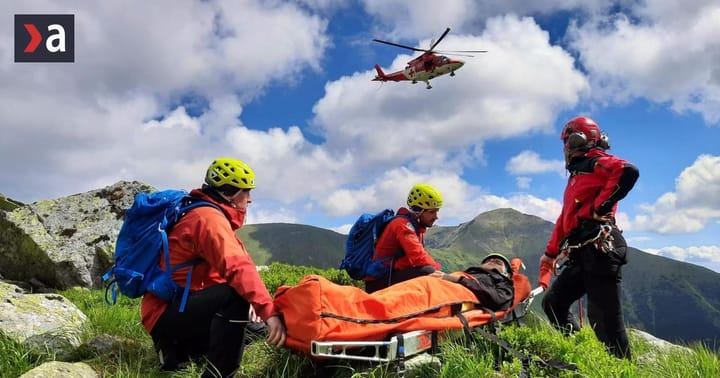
(56,369)
(108,345)
(65,242)
(46,322)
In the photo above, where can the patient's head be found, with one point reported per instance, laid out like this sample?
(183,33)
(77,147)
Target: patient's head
(498,262)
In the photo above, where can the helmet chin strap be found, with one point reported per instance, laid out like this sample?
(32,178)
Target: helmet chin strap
(571,153)
(230,199)
(416,214)
(418,211)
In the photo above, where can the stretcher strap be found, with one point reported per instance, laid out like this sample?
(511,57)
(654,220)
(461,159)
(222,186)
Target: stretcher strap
(401,355)
(456,311)
(526,359)
(394,320)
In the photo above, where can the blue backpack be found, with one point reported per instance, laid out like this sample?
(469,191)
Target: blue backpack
(360,246)
(142,237)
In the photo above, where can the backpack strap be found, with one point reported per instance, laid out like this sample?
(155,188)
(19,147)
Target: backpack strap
(192,203)
(401,252)
(111,286)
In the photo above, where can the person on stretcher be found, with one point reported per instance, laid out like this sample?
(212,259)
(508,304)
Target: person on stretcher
(491,282)
(317,309)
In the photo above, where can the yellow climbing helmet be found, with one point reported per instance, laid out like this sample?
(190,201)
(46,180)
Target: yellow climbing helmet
(228,171)
(425,197)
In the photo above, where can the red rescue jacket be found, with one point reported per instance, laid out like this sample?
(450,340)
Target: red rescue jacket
(597,182)
(400,235)
(207,234)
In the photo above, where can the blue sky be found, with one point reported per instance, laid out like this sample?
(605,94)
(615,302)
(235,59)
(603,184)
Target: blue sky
(158,89)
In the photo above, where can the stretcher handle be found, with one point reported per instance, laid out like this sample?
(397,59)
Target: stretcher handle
(536,291)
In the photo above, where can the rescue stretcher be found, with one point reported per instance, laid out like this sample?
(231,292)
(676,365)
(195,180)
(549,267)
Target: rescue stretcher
(408,344)
(329,321)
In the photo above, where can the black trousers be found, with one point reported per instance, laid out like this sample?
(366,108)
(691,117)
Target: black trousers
(396,276)
(212,327)
(599,276)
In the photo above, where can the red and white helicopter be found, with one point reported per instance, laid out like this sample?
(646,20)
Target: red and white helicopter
(427,66)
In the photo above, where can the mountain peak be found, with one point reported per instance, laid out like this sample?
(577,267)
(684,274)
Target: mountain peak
(506,216)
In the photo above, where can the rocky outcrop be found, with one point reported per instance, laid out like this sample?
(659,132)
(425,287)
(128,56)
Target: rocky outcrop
(9,204)
(56,369)
(46,322)
(657,348)
(65,242)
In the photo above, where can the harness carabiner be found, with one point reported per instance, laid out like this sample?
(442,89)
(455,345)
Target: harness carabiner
(563,258)
(604,240)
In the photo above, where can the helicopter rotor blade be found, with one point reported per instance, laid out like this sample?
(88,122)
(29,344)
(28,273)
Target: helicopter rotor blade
(399,45)
(461,51)
(454,54)
(432,46)
(433,43)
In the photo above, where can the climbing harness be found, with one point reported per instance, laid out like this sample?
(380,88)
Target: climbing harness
(603,242)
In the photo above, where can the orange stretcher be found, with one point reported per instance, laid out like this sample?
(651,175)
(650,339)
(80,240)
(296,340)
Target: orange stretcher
(327,320)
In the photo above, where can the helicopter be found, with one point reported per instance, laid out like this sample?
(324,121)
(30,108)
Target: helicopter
(427,66)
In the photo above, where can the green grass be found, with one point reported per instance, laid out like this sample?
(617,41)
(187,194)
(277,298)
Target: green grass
(8,204)
(134,355)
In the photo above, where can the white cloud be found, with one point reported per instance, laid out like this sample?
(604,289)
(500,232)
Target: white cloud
(694,203)
(421,18)
(547,208)
(699,184)
(637,239)
(403,130)
(113,113)
(461,201)
(264,214)
(412,19)
(148,101)
(708,256)
(530,162)
(156,98)
(390,190)
(659,50)
(342,229)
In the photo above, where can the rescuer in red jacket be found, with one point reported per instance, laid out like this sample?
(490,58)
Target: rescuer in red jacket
(224,284)
(586,233)
(403,238)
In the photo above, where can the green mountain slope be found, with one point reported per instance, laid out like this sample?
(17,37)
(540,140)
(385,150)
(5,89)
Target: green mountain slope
(672,300)
(293,244)
(505,231)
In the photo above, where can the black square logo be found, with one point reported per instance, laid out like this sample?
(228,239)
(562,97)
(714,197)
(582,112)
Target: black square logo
(44,38)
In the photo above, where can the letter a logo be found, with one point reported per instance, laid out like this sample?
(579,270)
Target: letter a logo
(44,38)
